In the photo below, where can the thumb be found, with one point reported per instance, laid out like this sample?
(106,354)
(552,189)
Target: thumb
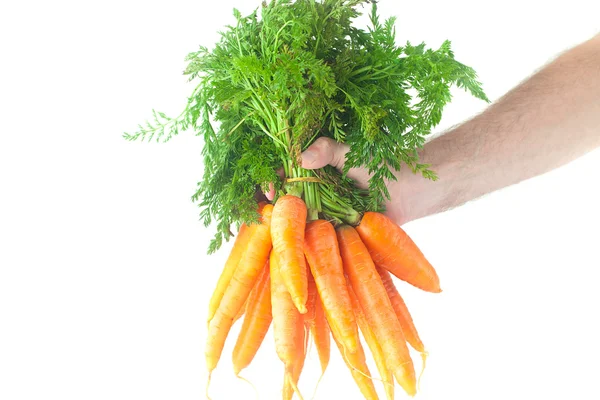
(324,151)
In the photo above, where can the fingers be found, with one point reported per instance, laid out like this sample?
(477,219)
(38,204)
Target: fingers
(324,151)
(270,192)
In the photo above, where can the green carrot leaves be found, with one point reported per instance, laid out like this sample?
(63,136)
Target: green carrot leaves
(293,71)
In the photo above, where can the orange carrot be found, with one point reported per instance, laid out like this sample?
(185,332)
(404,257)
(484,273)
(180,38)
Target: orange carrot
(321,249)
(391,248)
(291,381)
(239,246)
(256,323)
(288,325)
(406,321)
(316,323)
(386,374)
(309,317)
(242,311)
(320,333)
(357,364)
(287,233)
(251,264)
(377,307)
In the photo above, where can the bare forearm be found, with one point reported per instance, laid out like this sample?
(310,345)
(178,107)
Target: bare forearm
(544,123)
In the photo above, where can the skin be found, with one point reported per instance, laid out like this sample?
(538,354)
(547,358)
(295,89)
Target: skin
(547,121)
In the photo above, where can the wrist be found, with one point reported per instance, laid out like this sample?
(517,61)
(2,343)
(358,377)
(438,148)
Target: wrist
(411,197)
(419,197)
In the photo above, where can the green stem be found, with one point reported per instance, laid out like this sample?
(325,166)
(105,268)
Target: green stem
(335,205)
(319,198)
(313,196)
(312,214)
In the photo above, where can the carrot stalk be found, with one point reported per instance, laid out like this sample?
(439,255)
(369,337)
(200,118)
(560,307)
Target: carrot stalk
(251,264)
(287,232)
(392,249)
(322,253)
(256,323)
(386,374)
(288,326)
(377,308)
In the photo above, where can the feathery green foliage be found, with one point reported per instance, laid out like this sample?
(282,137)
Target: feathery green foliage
(293,71)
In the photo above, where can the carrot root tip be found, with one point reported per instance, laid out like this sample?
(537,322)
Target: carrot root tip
(424,356)
(301,308)
(317,386)
(293,385)
(356,369)
(249,383)
(208,386)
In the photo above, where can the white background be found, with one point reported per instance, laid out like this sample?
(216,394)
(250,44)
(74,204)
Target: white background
(104,281)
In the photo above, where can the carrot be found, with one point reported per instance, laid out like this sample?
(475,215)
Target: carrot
(291,381)
(320,333)
(357,364)
(242,311)
(239,246)
(309,317)
(377,307)
(391,248)
(256,323)
(322,253)
(406,321)
(316,324)
(386,374)
(287,233)
(288,325)
(251,264)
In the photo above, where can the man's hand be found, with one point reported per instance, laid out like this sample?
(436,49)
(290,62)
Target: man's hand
(547,121)
(325,151)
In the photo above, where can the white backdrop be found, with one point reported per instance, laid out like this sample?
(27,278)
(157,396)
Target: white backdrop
(104,278)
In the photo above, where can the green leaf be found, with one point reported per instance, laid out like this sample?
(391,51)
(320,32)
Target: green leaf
(290,72)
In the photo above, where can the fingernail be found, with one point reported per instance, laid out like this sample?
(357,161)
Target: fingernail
(309,157)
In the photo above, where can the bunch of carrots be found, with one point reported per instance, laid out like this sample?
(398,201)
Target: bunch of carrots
(311,278)
(318,262)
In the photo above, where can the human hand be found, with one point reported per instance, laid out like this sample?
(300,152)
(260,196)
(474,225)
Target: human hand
(325,151)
